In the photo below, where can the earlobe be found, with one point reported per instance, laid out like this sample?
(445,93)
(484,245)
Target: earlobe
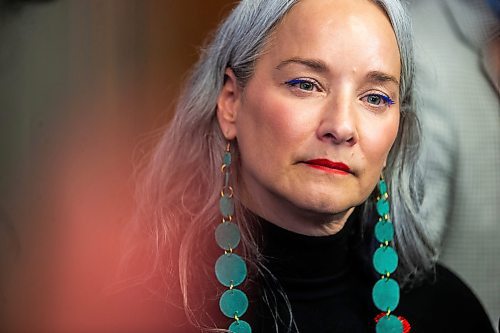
(227,105)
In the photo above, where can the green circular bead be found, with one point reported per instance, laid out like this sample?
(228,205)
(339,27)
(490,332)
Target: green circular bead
(240,326)
(233,302)
(230,269)
(227,235)
(382,186)
(382,207)
(384,231)
(226,205)
(385,260)
(389,324)
(385,294)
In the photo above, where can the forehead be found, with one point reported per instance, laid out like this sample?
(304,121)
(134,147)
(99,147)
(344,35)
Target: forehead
(337,30)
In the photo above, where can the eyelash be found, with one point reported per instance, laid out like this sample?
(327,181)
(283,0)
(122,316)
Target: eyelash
(295,82)
(386,99)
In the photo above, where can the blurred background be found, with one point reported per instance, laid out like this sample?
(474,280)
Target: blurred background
(84,85)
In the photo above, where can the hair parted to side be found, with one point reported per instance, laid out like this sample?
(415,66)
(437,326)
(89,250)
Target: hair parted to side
(178,190)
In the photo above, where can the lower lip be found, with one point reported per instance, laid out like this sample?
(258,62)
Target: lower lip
(327,169)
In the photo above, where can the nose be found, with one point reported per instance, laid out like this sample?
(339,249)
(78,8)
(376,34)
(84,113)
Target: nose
(338,123)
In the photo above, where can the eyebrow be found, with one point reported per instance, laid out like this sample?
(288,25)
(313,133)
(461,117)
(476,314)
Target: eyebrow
(381,77)
(314,64)
(321,67)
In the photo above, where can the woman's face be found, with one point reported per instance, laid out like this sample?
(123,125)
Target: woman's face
(315,123)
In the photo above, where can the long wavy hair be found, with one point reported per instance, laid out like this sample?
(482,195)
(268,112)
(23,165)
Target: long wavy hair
(178,189)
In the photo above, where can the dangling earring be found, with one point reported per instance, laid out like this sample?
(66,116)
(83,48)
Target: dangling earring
(386,291)
(230,268)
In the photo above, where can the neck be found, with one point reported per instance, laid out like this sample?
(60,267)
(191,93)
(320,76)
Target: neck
(301,221)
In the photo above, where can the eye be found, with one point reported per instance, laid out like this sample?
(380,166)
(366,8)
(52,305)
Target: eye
(304,84)
(378,100)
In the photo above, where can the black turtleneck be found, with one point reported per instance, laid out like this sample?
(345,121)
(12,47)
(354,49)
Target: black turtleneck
(328,285)
(328,282)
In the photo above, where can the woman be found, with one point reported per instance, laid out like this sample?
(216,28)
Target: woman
(307,109)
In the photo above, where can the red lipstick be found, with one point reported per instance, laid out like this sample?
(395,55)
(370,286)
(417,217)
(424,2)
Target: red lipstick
(329,166)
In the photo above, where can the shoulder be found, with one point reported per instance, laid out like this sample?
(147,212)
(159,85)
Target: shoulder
(442,302)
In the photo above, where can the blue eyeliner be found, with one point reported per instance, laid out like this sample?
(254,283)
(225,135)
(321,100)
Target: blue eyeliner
(387,99)
(295,81)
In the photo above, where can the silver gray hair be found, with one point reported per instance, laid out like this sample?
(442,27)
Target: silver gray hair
(180,209)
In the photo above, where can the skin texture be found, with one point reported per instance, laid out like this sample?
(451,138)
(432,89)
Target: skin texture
(343,56)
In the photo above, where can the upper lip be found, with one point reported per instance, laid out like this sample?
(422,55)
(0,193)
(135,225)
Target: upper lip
(329,164)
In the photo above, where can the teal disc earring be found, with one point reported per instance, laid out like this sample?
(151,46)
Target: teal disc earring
(385,293)
(230,268)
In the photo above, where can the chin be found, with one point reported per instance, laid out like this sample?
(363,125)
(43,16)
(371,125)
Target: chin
(322,206)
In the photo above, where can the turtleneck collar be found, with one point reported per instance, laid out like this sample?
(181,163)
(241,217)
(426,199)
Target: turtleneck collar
(305,264)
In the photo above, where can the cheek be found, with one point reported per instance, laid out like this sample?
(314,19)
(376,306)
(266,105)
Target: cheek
(379,138)
(270,123)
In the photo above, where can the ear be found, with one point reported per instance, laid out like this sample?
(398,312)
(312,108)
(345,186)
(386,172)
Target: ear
(228,105)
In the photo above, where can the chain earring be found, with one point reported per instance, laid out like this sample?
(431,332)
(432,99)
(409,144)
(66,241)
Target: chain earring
(230,268)
(386,291)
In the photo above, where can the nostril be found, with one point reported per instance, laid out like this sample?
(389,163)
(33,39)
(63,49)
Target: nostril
(329,136)
(338,139)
